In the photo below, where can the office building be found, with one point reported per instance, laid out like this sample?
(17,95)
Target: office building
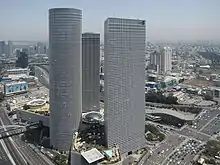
(2,47)
(22,60)
(161,59)
(90,74)
(124,85)
(65,25)
(10,48)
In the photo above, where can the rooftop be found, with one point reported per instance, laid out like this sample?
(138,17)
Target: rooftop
(92,155)
(15,82)
(18,69)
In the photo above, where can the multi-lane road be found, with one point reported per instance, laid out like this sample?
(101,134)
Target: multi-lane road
(171,150)
(19,152)
(4,154)
(9,147)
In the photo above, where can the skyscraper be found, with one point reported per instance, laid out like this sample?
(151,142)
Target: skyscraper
(161,59)
(65,35)
(155,60)
(22,60)
(10,48)
(124,68)
(166,59)
(2,47)
(90,74)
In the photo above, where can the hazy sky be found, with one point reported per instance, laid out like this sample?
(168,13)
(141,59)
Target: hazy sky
(166,19)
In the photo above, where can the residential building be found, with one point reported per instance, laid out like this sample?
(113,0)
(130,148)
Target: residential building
(166,60)
(161,59)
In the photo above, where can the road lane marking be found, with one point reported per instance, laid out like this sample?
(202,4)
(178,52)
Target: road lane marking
(7,151)
(12,142)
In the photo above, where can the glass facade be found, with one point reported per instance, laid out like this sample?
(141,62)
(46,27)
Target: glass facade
(65,26)
(124,83)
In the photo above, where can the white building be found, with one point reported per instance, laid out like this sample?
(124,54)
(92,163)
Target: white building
(124,83)
(18,71)
(166,60)
(41,48)
(161,59)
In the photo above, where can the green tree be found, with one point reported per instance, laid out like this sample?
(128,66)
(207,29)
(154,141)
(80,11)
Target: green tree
(60,159)
(26,107)
(161,137)
(158,97)
(200,72)
(212,148)
(149,137)
(208,96)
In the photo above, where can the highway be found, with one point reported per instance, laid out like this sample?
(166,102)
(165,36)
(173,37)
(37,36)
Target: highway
(16,156)
(4,159)
(177,114)
(42,75)
(19,148)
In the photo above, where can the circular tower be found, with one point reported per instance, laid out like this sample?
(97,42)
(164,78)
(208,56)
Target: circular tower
(65,26)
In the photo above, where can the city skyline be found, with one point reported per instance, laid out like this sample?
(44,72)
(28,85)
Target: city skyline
(154,104)
(166,21)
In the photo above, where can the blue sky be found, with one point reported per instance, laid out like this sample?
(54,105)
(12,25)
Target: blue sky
(167,20)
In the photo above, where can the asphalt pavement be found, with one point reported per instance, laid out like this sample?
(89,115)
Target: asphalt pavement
(204,117)
(160,153)
(28,153)
(4,157)
(13,151)
(184,153)
(193,134)
(212,128)
(16,156)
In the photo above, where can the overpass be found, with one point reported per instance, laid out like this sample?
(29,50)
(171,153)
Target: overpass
(15,130)
(180,115)
(38,64)
(11,126)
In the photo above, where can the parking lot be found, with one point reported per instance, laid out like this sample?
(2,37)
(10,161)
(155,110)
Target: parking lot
(204,117)
(213,127)
(160,153)
(184,154)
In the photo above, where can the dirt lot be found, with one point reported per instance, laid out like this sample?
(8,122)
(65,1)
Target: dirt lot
(199,83)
